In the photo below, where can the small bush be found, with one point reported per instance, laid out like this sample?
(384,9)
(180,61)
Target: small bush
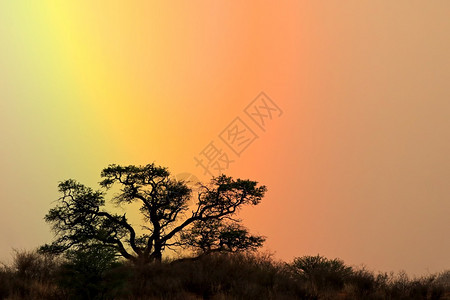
(31,276)
(321,275)
(88,273)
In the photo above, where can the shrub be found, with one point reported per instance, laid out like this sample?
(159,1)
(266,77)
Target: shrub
(30,276)
(89,273)
(321,275)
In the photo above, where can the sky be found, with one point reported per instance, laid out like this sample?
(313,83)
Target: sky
(342,109)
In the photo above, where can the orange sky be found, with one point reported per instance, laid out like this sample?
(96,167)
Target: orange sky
(356,166)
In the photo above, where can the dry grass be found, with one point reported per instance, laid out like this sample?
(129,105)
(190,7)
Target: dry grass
(217,277)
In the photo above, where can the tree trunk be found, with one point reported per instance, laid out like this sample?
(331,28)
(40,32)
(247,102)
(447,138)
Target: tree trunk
(157,254)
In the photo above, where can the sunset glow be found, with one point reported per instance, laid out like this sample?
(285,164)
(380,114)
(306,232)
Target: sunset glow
(355,155)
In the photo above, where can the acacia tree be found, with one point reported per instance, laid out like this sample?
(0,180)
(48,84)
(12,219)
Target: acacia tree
(79,219)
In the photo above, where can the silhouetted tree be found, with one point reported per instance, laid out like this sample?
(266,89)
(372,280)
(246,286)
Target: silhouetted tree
(79,219)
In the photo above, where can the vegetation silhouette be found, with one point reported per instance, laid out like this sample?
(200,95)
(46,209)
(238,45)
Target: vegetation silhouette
(99,255)
(320,273)
(95,273)
(209,225)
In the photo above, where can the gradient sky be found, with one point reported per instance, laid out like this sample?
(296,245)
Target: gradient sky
(357,165)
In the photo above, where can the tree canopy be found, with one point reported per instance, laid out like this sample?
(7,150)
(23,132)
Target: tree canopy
(173,215)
